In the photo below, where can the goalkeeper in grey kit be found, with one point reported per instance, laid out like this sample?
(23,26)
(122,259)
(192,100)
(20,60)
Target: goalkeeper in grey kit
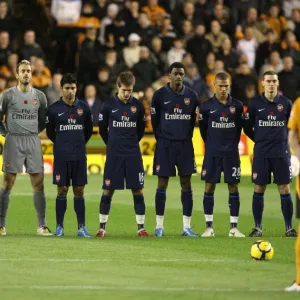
(24,108)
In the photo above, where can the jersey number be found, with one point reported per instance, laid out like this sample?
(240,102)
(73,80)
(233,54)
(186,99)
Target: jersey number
(236,172)
(141,177)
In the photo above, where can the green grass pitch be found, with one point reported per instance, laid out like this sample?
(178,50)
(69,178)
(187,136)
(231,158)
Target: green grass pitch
(123,266)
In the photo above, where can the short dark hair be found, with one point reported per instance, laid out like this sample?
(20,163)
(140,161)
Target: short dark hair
(23,62)
(126,78)
(176,65)
(68,79)
(269,73)
(222,76)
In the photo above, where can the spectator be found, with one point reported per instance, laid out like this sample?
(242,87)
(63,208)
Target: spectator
(6,22)
(289,6)
(187,59)
(10,69)
(5,47)
(11,82)
(259,29)
(112,12)
(240,80)
(66,12)
(264,50)
(154,11)
(202,10)
(41,75)
(221,14)
(100,8)
(114,65)
(146,100)
(210,76)
(210,63)
(167,33)
(276,22)
(104,84)
(3,83)
(250,93)
(289,79)
(131,53)
(248,46)
(291,47)
(194,80)
(161,81)
(187,13)
(158,57)
(274,61)
(93,102)
(216,36)
(53,91)
(130,14)
(228,55)
(199,47)
(91,57)
(187,31)
(144,71)
(144,29)
(294,23)
(116,34)
(176,52)
(31,47)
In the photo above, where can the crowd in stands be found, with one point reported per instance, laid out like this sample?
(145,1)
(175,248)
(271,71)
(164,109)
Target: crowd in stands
(97,39)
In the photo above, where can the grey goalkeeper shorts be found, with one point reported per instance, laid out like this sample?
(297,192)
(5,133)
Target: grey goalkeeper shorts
(22,150)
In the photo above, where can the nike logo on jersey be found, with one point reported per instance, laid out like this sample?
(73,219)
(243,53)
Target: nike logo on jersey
(261,109)
(167,102)
(60,114)
(113,111)
(213,111)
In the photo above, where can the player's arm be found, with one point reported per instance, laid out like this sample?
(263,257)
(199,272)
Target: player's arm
(203,122)
(249,121)
(50,125)
(103,122)
(293,136)
(195,110)
(293,139)
(141,122)
(88,124)
(3,109)
(240,118)
(42,112)
(155,112)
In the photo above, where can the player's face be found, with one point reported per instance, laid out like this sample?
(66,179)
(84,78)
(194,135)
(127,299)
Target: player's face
(222,87)
(176,76)
(24,74)
(124,92)
(270,84)
(69,91)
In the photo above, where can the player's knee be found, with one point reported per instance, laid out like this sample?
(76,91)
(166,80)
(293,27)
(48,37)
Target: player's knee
(284,189)
(185,182)
(233,188)
(78,191)
(259,188)
(210,187)
(163,183)
(108,193)
(137,191)
(8,182)
(62,191)
(7,185)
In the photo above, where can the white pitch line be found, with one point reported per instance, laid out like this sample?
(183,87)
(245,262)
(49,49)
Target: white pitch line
(114,260)
(136,288)
(55,194)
